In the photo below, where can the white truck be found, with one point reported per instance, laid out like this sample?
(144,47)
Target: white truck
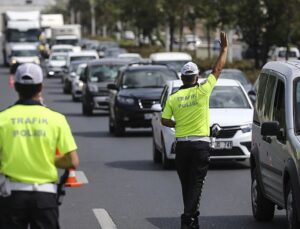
(66,34)
(19,27)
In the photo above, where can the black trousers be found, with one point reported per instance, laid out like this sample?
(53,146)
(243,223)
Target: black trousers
(192,161)
(22,209)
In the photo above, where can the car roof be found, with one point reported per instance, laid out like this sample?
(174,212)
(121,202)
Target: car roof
(170,56)
(83,53)
(220,82)
(79,62)
(62,46)
(24,47)
(103,61)
(137,66)
(130,54)
(290,69)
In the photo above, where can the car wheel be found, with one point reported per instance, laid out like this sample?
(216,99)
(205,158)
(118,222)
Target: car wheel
(291,210)
(155,152)
(86,110)
(262,208)
(166,162)
(119,129)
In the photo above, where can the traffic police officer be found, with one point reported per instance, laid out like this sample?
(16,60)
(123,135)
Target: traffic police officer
(30,134)
(190,108)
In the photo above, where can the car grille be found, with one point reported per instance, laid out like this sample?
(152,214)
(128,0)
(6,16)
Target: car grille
(227,132)
(102,92)
(235,151)
(147,103)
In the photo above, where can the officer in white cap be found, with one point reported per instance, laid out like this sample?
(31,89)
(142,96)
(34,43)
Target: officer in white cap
(189,107)
(30,135)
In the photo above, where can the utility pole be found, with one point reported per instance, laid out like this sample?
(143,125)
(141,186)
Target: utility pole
(93,19)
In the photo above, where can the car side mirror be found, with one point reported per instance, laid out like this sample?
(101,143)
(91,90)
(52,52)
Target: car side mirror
(270,129)
(156,107)
(112,86)
(251,93)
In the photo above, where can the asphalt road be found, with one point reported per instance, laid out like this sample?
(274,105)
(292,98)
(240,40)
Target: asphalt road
(136,193)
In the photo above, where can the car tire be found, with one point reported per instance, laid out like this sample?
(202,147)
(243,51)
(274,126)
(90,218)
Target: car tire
(86,110)
(119,129)
(262,208)
(291,209)
(166,162)
(155,153)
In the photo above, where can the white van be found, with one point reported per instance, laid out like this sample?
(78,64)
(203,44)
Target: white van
(279,53)
(82,55)
(175,60)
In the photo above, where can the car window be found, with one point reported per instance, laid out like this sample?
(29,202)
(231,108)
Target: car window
(262,83)
(164,97)
(24,53)
(228,97)
(297,107)
(74,58)
(59,57)
(279,105)
(103,73)
(147,78)
(268,98)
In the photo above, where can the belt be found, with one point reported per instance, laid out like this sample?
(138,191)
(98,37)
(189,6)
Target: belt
(16,186)
(192,139)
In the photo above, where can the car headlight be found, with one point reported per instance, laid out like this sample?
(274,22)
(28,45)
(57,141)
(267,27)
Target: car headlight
(93,88)
(13,61)
(246,128)
(125,100)
(79,84)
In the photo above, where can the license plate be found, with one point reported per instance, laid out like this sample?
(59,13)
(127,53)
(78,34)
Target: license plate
(223,145)
(148,116)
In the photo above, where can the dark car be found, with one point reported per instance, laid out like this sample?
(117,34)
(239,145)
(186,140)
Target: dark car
(96,76)
(136,89)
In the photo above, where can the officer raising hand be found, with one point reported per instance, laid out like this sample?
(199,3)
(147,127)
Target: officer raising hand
(30,134)
(189,107)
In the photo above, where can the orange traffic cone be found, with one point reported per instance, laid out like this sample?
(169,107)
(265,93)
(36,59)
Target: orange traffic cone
(11,81)
(72,181)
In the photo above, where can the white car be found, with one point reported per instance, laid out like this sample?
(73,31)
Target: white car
(24,53)
(56,64)
(82,55)
(77,84)
(134,57)
(231,112)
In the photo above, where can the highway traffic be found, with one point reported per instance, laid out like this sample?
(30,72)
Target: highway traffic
(126,189)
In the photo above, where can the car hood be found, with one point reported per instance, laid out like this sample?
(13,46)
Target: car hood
(142,93)
(231,117)
(58,63)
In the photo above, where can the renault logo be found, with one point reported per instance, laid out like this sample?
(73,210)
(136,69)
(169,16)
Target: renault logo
(216,129)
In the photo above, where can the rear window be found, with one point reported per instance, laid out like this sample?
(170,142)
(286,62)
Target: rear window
(74,58)
(151,78)
(104,73)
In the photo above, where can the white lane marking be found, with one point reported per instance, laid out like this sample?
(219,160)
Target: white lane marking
(104,219)
(81,177)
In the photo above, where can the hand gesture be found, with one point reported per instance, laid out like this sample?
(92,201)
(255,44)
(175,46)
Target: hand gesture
(223,40)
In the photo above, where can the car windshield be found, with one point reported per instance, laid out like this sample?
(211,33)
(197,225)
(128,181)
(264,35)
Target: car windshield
(148,78)
(66,42)
(103,73)
(176,65)
(74,58)
(31,35)
(59,57)
(74,66)
(226,97)
(62,50)
(24,53)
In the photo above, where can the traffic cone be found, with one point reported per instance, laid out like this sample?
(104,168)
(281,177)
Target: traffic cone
(72,181)
(11,81)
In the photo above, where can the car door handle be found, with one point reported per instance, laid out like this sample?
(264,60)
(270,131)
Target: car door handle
(267,139)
